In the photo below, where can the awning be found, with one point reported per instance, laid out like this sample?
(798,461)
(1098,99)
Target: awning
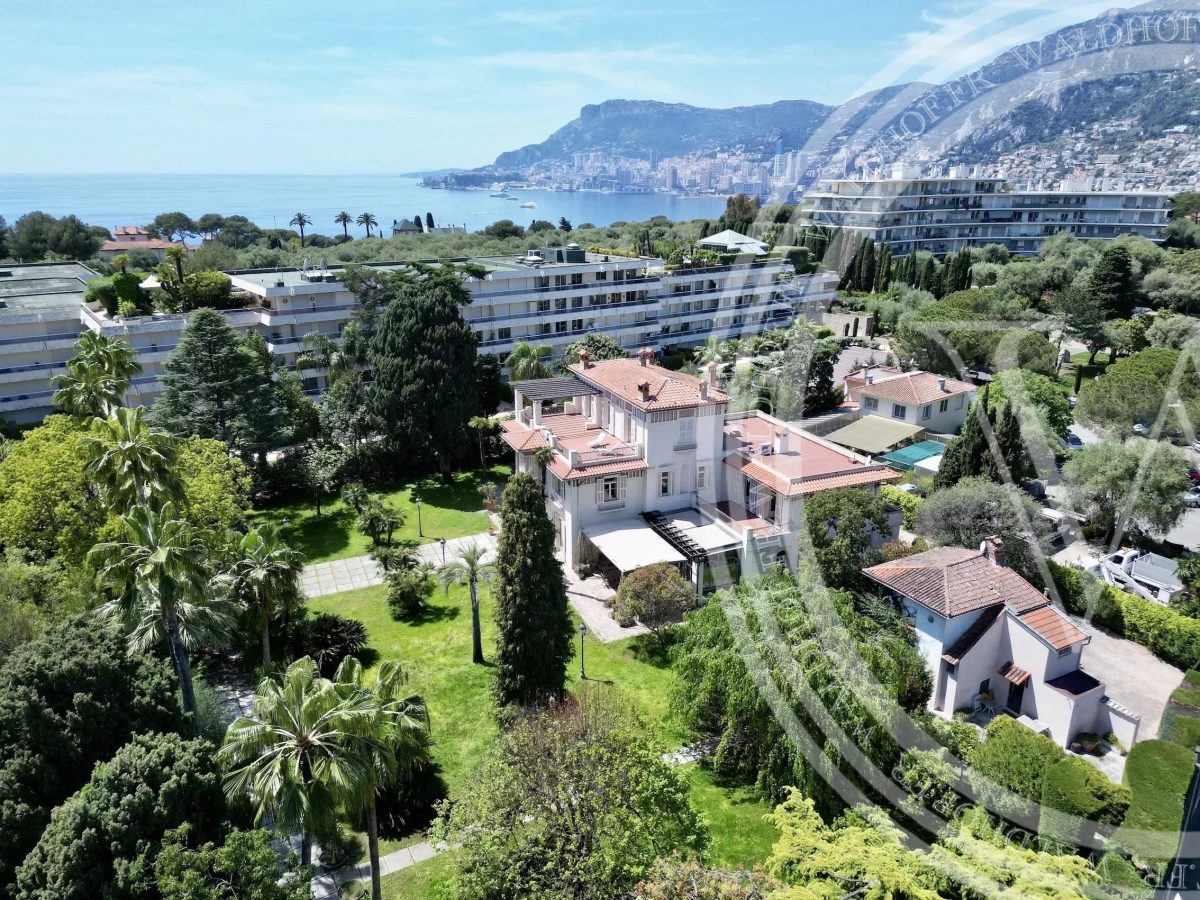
(707,535)
(913,455)
(874,434)
(1014,674)
(630,544)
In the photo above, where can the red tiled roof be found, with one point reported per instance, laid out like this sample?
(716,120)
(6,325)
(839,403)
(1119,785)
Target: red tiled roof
(520,437)
(1014,674)
(787,487)
(952,581)
(668,390)
(130,230)
(572,432)
(917,388)
(1053,627)
(148,244)
(563,470)
(977,629)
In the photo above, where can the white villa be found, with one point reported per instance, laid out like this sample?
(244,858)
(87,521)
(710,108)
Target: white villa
(643,465)
(993,642)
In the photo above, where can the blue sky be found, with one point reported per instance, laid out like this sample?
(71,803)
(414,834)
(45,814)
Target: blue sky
(371,86)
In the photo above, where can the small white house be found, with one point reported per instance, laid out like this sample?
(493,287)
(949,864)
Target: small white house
(993,641)
(919,399)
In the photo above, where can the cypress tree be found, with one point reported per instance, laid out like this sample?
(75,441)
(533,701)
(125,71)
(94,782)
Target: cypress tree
(965,455)
(1114,284)
(883,269)
(535,640)
(1006,429)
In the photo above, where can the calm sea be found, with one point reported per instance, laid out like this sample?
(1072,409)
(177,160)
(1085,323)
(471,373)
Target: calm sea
(271,200)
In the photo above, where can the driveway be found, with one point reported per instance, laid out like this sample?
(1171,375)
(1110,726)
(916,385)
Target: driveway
(1132,675)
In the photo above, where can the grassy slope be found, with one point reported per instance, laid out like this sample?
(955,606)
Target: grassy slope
(447,511)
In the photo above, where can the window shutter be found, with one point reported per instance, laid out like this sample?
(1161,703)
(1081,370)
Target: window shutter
(599,490)
(621,482)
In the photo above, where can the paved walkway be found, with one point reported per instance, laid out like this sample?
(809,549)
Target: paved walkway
(340,575)
(589,598)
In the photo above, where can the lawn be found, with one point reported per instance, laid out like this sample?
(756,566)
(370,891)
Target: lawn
(1158,774)
(447,511)
(1066,377)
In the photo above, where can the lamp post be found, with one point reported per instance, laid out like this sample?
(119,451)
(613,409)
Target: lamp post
(583,630)
(420,530)
(442,541)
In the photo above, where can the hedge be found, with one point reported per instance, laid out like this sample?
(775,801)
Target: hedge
(1157,774)
(1164,632)
(908,504)
(1013,758)
(1074,793)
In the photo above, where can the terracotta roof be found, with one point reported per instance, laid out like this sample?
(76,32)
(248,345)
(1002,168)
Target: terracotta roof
(147,244)
(572,432)
(1014,674)
(1053,627)
(916,388)
(563,470)
(971,636)
(789,487)
(1074,683)
(952,581)
(130,229)
(668,390)
(520,437)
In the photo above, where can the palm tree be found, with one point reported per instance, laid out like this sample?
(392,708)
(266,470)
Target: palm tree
(175,255)
(525,362)
(308,748)
(121,261)
(401,730)
(300,220)
(470,569)
(112,356)
(133,462)
(159,581)
(368,221)
(709,351)
(97,377)
(344,219)
(265,578)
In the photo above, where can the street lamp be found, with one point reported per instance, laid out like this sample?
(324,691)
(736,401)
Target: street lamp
(583,630)
(442,541)
(420,530)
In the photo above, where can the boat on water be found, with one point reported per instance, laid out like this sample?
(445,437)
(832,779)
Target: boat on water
(510,197)
(529,205)
(501,195)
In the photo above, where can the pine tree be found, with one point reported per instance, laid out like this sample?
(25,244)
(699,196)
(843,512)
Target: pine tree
(1114,284)
(866,267)
(535,639)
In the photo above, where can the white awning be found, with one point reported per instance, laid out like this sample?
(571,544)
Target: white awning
(630,544)
(706,534)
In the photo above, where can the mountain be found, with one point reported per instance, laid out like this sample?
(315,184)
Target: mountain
(637,128)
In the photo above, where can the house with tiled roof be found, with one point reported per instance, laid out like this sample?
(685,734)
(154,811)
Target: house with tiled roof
(642,464)
(922,400)
(993,642)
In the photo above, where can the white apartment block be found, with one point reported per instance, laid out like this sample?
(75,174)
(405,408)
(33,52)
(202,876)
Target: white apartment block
(549,298)
(645,465)
(945,214)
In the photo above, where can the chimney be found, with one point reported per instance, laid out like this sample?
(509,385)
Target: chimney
(644,388)
(870,379)
(782,440)
(645,355)
(585,359)
(537,413)
(703,389)
(942,385)
(710,373)
(993,548)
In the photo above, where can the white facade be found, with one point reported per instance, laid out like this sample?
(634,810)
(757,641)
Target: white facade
(943,215)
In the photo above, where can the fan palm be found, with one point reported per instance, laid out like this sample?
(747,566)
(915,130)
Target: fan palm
(158,578)
(525,362)
(265,578)
(308,749)
(344,219)
(97,376)
(133,462)
(470,569)
(300,220)
(336,356)
(368,221)
(401,729)
(709,351)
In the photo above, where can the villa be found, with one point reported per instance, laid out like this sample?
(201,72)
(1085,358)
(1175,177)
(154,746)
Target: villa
(644,465)
(993,643)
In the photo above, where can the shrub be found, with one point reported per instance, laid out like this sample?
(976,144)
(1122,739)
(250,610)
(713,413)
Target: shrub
(652,596)
(1158,774)
(908,504)
(329,638)
(1015,760)
(409,591)
(1074,792)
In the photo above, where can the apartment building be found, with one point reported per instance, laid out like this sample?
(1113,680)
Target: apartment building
(39,324)
(946,213)
(648,465)
(550,297)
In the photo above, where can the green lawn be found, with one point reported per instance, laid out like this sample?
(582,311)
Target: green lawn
(447,511)
(429,880)
(1158,774)
(741,837)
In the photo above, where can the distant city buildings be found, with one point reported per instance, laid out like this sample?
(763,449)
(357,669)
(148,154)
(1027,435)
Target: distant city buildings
(961,209)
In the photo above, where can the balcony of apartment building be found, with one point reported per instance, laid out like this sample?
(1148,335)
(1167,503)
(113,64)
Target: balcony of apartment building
(560,308)
(505,338)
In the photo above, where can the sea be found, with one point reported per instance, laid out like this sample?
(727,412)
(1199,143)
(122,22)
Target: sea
(271,200)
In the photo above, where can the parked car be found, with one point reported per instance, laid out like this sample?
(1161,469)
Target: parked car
(1140,429)
(1074,441)
(1191,497)
(1072,400)
(1194,474)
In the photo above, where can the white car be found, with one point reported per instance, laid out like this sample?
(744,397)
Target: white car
(1140,429)
(1191,497)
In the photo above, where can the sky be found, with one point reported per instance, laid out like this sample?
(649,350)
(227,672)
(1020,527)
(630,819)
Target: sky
(372,86)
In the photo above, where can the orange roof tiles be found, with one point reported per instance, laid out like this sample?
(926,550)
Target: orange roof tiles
(1053,627)
(917,388)
(563,470)
(668,390)
(572,432)
(1014,674)
(952,581)
(521,437)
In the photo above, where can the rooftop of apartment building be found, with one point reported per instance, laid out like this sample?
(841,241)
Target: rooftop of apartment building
(43,286)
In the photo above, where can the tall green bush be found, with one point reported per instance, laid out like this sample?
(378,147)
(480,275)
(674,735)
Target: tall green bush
(908,504)
(1075,796)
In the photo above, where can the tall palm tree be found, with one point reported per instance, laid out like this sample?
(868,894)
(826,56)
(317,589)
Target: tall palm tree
(97,376)
(470,569)
(158,578)
(709,351)
(344,219)
(525,362)
(308,749)
(368,221)
(175,255)
(134,462)
(324,351)
(265,578)
(401,729)
(300,220)
(112,356)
